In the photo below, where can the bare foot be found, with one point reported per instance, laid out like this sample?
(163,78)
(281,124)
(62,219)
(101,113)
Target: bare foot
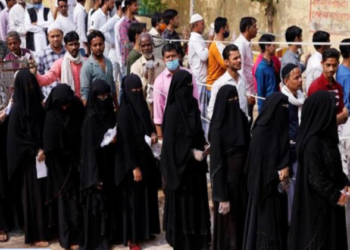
(74,247)
(3,236)
(41,244)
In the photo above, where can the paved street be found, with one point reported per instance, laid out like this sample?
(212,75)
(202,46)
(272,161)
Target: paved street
(158,244)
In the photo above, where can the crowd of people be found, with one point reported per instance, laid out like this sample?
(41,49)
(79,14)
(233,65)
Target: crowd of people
(80,131)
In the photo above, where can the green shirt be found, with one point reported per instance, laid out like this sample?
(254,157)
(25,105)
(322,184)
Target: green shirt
(132,58)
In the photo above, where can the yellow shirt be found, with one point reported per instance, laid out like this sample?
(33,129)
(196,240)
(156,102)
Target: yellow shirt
(216,64)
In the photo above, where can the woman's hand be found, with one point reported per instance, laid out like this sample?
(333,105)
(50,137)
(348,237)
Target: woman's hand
(41,155)
(137,174)
(154,138)
(224,207)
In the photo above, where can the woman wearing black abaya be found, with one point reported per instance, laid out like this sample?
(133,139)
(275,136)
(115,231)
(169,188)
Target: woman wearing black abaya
(229,137)
(97,165)
(5,201)
(267,165)
(62,137)
(186,212)
(135,170)
(318,216)
(24,144)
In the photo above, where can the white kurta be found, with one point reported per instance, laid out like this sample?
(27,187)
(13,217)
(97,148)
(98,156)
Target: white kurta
(40,39)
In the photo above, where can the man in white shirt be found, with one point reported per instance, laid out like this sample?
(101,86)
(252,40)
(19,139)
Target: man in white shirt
(148,67)
(108,31)
(99,18)
(232,76)
(79,19)
(4,19)
(37,20)
(198,54)
(248,28)
(97,4)
(314,67)
(63,20)
(197,50)
(16,19)
(71,6)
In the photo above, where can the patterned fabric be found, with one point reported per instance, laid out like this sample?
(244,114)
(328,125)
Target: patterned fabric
(124,39)
(44,60)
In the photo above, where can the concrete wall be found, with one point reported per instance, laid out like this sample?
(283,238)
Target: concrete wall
(289,12)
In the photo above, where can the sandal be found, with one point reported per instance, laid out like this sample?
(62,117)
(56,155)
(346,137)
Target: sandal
(4,237)
(41,244)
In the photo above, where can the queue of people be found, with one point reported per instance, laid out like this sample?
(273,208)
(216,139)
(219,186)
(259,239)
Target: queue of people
(78,136)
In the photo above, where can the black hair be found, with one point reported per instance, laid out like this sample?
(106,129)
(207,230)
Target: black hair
(66,1)
(227,51)
(156,18)
(129,2)
(330,53)
(169,47)
(245,23)
(293,32)
(80,1)
(265,38)
(169,15)
(118,3)
(320,37)
(345,49)
(94,34)
(70,37)
(219,23)
(134,29)
(102,3)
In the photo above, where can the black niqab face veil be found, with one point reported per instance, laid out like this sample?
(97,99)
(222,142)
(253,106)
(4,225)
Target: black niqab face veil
(28,95)
(26,120)
(229,126)
(135,101)
(181,93)
(269,148)
(319,117)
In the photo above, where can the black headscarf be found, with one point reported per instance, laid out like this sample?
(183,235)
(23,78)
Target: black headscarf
(26,120)
(134,122)
(99,118)
(318,119)
(229,127)
(62,128)
(321,221)
(181,93)
(181,127)
(137,105)
(62,137)
(269,148)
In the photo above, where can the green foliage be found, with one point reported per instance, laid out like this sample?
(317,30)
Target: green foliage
(149,7)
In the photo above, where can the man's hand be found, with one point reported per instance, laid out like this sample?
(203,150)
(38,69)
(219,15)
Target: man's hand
(251,100)
(137,174)
(343,116)
(283,174)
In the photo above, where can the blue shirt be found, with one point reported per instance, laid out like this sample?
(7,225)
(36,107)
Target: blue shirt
(266,81)
(343,78)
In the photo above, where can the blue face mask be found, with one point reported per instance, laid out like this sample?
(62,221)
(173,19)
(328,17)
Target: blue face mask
(37,5)
(172,65)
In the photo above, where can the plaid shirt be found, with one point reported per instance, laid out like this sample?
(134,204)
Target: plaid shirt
(44,60)
(124,39)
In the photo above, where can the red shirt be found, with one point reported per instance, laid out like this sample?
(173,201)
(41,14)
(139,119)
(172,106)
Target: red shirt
(322,83)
